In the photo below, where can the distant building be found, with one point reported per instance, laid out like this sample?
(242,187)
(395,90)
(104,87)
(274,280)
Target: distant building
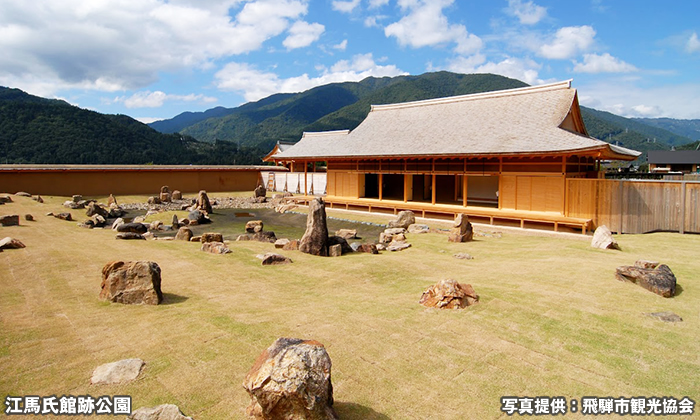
(280,147)
(686,161)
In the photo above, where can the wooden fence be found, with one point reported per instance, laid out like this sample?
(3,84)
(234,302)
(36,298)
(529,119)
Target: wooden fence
(635,206)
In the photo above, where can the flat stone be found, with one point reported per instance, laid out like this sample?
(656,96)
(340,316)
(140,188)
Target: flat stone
(23,194)
(275,259)
(215,248)
(5,199)
(666,316)
(64,216)
(161,412)
(347,233)
(659,280)
(280,243)
(119,372)
(463,256)
(397,246)
(132,227)
(130,236)
(417,228)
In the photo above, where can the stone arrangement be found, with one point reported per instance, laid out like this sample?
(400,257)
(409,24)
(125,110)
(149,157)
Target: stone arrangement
(449,294)
(651,275)
(403,220)
(131,282)
(291,379)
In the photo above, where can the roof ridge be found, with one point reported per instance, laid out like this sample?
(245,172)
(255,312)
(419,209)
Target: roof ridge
(566,84)
(323,133)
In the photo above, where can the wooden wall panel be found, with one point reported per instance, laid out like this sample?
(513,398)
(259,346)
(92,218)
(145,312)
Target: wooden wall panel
(692,207)
(330,183)
(507,194)
(538,193)
(523,192)
(554,197)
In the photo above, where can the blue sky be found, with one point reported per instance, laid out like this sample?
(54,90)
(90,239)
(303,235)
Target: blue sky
(153,59)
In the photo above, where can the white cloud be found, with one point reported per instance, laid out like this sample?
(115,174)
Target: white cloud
(345,6)
(303,34)
(148,99)
(522,69)
(527,12)
(568,41)
(606,63)
(426,25)
(693,44)
(630,100)
(342,46)
(373,4)
(49,46)
(255,84)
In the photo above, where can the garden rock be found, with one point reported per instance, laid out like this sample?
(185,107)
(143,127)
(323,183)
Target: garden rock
(153,200)
(416,228)
(38,199)
(93,208)
(119,372)
(176,195)
(130,236)
(403,220)
(347,233)
(117,222)
(132,227)
(345,247)
(335,250)
(260,191)
(293,245)
(391,234)
(212,237)
(463,256)
(198,217)
(397,246)
(291,380)
(215,248)
(462,230)
(23,194)
(10,220)
(5,199)
(203,203)
(367,248)
(254,226)
(275,259)
(184,234)
(269,237)
(64,216)
(448,294)
(11,243)
(165,196)
(315,239)
(657,278)
(161,412)
(666,316)
(112,201)
(603,239)
(280,243)
(131,282)
(28,217)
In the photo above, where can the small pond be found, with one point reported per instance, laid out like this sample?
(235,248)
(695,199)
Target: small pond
(231,223)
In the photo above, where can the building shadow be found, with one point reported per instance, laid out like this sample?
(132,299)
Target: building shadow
(172,298)
(347,410)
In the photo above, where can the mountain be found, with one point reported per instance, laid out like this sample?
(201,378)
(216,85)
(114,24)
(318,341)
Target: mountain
(687,128)
(39,130)
(340,106)
(330,107)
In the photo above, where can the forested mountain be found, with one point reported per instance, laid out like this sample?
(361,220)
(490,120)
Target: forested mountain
(344,105)
(38,130)
(687,128)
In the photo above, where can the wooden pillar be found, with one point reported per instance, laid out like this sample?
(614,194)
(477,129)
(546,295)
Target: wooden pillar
(465,182)
(306,171)
(381,181)
(456,187)
(434,193)
(405,188)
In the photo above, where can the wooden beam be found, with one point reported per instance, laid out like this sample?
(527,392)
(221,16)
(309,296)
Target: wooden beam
(465,183)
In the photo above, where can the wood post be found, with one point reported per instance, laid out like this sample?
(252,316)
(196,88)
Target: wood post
(683,191)
(381,181)
(306,171)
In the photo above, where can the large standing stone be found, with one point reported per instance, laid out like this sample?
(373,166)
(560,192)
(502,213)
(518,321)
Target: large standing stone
(603,239)
(448,294)
(655,277)
(10,220)
(161,412)
(403,220)
(117,372)
(184,234)
(315,239)
(165,196)
(132,227)
(260,191)
(203,203)
(291,380)
(131,282)
(11,243)
(462,230)
(212,237)
(176,195)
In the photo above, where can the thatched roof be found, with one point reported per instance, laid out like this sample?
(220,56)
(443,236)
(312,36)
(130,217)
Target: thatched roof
(540,120)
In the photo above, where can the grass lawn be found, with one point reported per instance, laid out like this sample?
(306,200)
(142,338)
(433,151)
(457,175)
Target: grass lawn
(552,321)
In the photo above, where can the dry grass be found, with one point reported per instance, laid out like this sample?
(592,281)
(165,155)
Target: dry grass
(552,321)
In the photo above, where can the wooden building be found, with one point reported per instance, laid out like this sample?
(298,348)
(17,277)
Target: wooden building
(496,155)
(685,161)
